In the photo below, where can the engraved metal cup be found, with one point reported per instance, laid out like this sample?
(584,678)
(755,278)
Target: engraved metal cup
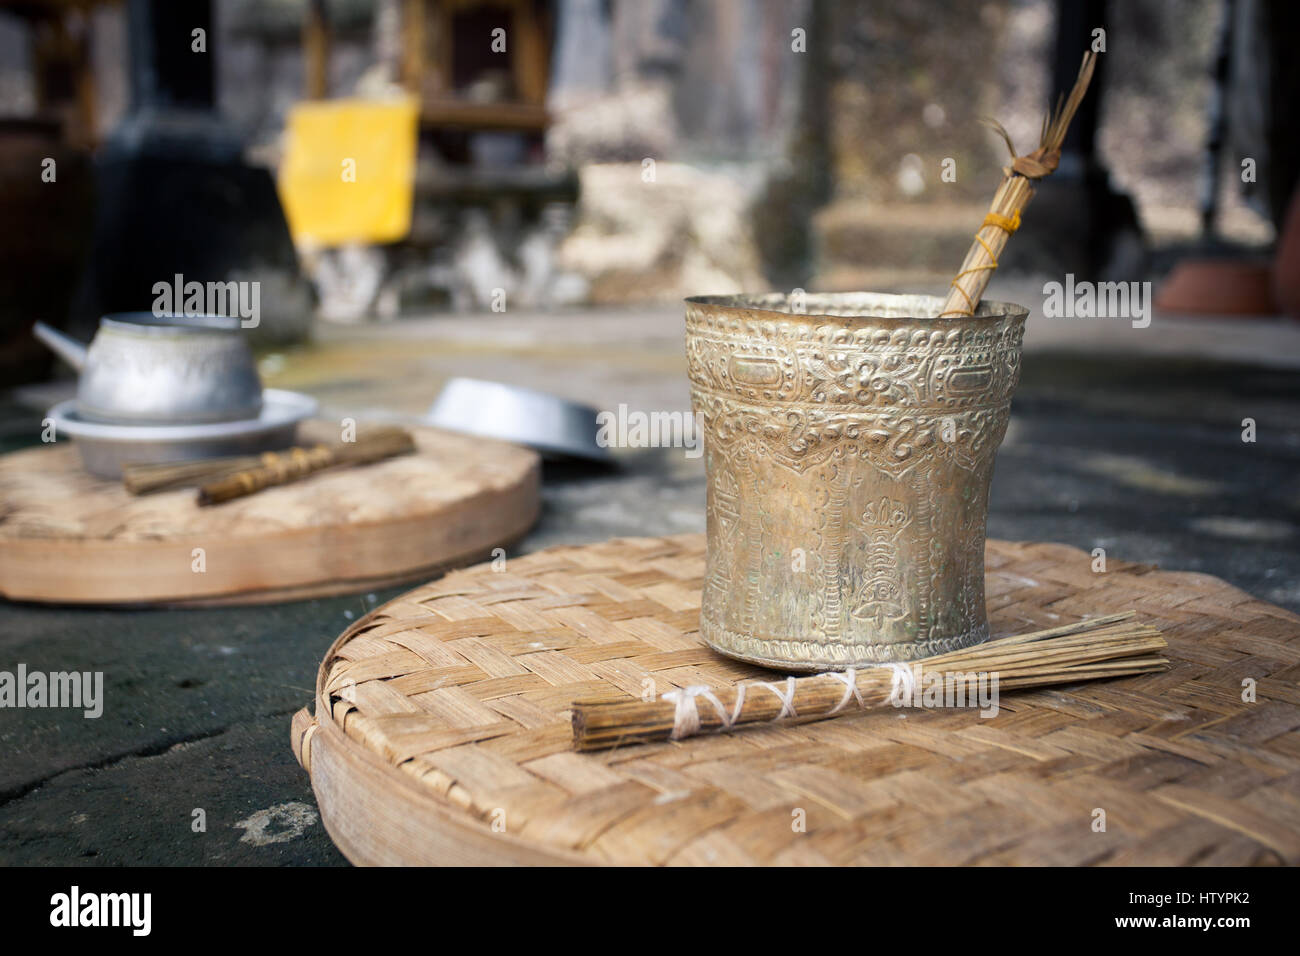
(849,447)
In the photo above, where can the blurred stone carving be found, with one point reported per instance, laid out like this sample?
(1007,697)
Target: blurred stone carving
(686,232)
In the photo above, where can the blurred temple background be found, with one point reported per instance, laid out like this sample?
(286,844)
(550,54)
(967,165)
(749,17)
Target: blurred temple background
(549,153)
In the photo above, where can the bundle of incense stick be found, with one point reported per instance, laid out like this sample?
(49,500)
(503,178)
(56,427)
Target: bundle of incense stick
(1011,198)
(1110,646)
(215,473)
(279,468)
(148,477)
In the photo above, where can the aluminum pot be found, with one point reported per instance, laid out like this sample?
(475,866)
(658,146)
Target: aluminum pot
(142,369)
(849,448)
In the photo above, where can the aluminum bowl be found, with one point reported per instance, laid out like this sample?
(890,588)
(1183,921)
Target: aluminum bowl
(105,447)
(551,425)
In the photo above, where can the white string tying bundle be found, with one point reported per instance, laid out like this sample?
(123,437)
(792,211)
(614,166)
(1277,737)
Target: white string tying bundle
(849,679)
(786,699)
(902,687)
(686,716)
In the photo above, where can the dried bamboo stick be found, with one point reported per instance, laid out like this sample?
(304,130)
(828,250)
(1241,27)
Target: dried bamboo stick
(1110,646)
(1017,188)
(278,468)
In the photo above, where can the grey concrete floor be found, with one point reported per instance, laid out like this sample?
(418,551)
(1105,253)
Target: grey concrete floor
(1124,439)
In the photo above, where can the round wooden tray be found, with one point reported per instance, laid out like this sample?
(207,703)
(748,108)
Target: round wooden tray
(71,538)
(442,735)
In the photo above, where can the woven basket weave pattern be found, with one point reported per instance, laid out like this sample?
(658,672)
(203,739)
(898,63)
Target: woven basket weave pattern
(463,686)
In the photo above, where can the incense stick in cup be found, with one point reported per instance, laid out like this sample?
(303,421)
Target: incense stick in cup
(1003,218)
(1109,646)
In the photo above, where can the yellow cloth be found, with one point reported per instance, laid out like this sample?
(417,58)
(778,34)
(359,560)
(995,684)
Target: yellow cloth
(348,173)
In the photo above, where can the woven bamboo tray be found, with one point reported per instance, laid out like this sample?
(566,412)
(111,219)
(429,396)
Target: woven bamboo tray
(70,538)
(442,731)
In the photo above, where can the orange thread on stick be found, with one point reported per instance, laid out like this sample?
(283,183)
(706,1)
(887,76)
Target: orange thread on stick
(1015,191)
(1005,223)
(990,265)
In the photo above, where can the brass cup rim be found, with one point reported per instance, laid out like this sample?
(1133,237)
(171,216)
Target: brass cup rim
(858,309)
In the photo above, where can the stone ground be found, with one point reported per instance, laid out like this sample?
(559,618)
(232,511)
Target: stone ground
(1124,439)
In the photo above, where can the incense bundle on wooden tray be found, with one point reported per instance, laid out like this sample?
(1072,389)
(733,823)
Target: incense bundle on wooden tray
(279,468)
(225,478)
(149,477)
(1110,646)
(1013,195)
